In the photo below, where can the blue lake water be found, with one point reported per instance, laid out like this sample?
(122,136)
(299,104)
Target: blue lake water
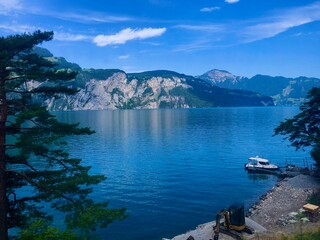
(174,169)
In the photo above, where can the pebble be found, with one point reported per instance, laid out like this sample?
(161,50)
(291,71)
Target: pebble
(282,205)
(305,219)
(292,221)
(293,214)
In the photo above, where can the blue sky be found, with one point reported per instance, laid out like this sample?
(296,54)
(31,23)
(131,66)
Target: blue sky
(245,37)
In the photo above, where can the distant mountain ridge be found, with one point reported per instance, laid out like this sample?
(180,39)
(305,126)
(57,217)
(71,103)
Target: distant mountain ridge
(116,89)
(284,91)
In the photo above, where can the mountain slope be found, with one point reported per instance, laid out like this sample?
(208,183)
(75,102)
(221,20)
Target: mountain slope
(284,91)
(115,89)
(150,90)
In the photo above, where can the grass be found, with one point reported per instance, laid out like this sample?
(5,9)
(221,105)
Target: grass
(304,236)
(311,233)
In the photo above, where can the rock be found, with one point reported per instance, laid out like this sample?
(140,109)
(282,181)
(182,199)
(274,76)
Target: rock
(292,221)
(293,214)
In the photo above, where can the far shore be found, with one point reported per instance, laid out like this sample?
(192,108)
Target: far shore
(278,213)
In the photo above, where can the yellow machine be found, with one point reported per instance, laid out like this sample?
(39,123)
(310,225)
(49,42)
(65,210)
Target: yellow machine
(234,222)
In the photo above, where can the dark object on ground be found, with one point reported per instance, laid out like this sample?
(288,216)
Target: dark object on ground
(234,222)
(292,171)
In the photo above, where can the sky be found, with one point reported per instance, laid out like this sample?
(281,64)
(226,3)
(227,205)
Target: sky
(244,37)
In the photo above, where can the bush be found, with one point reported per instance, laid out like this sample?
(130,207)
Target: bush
(40,230)
(315,199)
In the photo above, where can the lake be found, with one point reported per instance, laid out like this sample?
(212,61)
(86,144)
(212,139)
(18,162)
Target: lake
(174,169)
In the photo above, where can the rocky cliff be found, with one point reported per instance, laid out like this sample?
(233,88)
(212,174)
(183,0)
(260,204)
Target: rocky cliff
(150,90)
(115,89)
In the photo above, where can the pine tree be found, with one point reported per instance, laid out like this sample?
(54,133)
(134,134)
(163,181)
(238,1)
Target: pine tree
(303,130)
(32,144)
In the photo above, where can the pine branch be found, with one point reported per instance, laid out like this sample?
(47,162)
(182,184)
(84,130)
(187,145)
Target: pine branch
(54,90)
(55,159)
(16,91)
(66,183)
(23,163)
(14,78)
(37,185)
(26,199)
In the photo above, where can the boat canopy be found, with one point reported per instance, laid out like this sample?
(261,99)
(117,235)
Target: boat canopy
(262,160)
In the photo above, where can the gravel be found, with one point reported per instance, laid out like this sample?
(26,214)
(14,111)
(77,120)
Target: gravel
(287,197)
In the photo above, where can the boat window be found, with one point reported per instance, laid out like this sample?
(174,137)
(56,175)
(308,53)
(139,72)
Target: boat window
(264,163)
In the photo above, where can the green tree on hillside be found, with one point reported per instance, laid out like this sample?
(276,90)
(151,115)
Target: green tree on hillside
(32,142)
(303,130)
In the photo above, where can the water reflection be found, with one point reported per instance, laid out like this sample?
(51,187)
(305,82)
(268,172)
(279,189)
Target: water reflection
(174,169)
(260,177)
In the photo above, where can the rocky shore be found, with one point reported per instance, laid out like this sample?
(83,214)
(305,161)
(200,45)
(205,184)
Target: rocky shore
(277,213)
(280,210)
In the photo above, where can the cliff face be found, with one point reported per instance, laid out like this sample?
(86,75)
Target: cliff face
(118,92)
(150,90)
(115,89)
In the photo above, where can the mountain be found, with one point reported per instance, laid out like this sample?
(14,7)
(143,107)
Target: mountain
(284,91)
(116,89)
(220,78)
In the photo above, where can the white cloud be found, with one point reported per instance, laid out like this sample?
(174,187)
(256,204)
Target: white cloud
(88,17)
(205,28)
(198,45)
(124,57)
(209,9)
(281,22)
(231,1)
(61,36)
(233,33)
(18,28)
(8,6)
(126,35)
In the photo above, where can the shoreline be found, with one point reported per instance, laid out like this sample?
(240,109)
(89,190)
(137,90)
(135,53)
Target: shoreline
(278,211)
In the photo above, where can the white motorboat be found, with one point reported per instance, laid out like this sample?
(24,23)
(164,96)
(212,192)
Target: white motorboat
(258,164)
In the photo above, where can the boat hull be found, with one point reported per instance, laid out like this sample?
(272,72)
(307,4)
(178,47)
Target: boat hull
(261,170)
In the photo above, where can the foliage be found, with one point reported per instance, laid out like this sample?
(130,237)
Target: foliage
(118,92)
(99,74)
(131,103)
(164,104)
(303,130)
(148,91)
(284,91)
(190,97)
(40,230)
(315,198)
(226,97)
(163,93)
(304,236)
(34,168)
(143,76)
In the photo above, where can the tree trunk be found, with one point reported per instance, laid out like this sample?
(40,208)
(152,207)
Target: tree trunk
(3,197)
